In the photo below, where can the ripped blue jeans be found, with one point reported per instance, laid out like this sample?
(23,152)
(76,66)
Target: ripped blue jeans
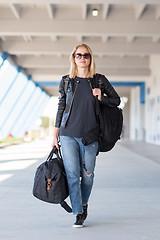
(79,163)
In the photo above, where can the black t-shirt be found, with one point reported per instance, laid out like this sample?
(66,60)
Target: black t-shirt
(82,117)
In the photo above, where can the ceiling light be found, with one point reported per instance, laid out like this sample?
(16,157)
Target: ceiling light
(95,12)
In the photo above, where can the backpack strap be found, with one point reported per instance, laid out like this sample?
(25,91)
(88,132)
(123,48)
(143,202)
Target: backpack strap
(98,81)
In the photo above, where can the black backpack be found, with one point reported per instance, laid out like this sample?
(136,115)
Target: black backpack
(110,121)
(50,182)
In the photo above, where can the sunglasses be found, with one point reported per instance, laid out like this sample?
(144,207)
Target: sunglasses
(85,55)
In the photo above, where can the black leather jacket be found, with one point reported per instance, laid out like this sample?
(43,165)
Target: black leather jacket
(109,97)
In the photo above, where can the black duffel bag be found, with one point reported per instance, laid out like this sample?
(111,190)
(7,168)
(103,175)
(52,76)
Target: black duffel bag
(50,181)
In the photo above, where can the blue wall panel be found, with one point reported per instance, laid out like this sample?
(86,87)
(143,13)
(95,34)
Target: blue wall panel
(116,84)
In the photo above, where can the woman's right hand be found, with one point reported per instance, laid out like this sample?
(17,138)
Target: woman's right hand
(55,138)
(55,143)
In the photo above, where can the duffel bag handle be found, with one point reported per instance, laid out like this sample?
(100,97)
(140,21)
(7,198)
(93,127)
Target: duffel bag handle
(58,154)
(50,154)
(54,151)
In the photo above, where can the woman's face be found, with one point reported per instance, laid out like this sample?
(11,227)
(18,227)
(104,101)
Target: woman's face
(82,57)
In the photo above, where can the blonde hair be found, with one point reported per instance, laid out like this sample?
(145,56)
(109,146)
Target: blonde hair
(73,68)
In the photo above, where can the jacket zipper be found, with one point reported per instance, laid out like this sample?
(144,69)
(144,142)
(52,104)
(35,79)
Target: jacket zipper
(90,84)
(72,102)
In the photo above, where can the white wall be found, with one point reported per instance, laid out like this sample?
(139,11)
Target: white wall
(137,116)
(126,119)
(152,120)
(145,118)
(134,113)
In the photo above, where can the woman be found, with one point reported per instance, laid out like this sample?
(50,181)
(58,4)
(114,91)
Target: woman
(75,118)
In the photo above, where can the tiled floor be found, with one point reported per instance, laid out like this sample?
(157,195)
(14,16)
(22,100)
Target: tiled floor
(124,204)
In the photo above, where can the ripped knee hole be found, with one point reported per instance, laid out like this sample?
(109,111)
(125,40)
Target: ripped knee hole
(88,174)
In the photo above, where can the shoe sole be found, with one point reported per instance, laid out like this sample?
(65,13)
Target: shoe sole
(78,226)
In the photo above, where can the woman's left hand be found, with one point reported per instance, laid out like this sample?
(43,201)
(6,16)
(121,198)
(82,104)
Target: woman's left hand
(97,92)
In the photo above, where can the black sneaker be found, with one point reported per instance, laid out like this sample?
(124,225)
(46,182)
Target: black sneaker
(79,221)
(84,214)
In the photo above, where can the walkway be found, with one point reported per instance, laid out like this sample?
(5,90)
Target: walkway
(124,205)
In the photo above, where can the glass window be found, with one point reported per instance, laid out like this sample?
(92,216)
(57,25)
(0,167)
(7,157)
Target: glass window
(7,74)
(13,94)
(19,108)
(20,100)
(26,112)
(38,111)
(30,123)
(1,60)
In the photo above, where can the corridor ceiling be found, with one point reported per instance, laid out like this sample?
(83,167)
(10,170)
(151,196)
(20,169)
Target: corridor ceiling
(40,35)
